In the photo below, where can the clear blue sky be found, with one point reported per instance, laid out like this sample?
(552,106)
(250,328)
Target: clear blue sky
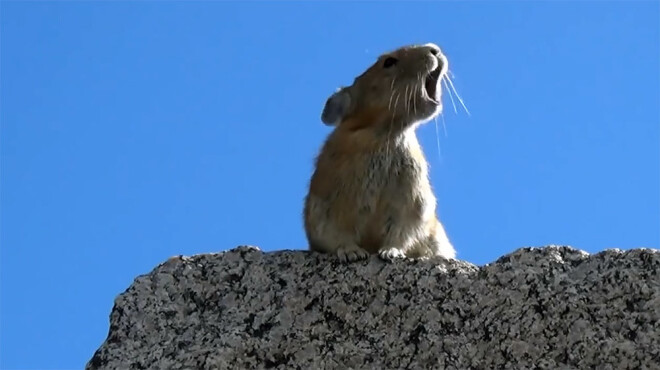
(132,132)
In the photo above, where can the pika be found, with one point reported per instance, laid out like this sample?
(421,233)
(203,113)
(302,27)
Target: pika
(370,192)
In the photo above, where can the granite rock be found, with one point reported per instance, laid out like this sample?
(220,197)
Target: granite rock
(546,308)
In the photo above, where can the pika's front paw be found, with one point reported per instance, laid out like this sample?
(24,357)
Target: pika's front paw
(390,254)
(352,253)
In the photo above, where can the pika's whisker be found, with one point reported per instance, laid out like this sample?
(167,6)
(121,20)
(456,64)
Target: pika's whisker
(437,139)
(389,129)
(396,103)
(405,104)
(458,96)
(392,91)
(444,80)
(415,88)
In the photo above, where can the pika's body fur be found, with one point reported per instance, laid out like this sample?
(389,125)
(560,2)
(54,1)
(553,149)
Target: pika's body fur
(370,192)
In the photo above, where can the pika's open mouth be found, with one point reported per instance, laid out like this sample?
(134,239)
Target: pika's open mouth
(432,83)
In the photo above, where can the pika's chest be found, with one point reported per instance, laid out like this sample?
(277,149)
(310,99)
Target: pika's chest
(392,169)
(393,183)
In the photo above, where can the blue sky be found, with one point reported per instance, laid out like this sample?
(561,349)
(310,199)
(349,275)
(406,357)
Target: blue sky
(132,132)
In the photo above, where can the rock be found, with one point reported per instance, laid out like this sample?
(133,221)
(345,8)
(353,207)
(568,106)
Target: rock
(548,308)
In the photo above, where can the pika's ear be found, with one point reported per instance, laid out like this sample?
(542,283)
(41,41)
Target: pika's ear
(336,107)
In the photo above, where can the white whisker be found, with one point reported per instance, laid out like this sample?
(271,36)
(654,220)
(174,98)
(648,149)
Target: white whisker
(415,88)
(412,97)
(458,96)
(444,78)
(389,104)
(406,103)
(396,103)
(389,129)
(437,139)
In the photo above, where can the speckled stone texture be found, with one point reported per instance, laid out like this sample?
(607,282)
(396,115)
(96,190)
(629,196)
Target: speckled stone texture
(537,308)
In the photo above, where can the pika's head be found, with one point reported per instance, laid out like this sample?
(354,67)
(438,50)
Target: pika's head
(402,88)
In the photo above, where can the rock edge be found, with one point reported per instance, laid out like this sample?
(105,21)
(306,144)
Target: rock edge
(547,308)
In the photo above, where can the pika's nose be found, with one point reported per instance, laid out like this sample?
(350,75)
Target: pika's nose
(433,48)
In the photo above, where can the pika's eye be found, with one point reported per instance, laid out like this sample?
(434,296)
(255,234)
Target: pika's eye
(389,62)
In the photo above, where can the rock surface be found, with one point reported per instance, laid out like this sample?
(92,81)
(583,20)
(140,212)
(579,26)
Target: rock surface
(547,308)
